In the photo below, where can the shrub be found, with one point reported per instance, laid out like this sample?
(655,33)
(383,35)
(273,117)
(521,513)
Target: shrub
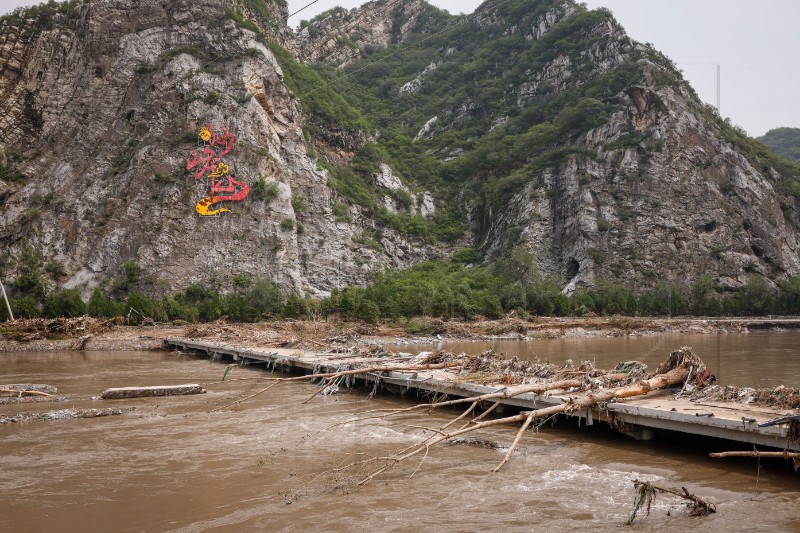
(263,190)
(298,204)
(64,303)
(98,305)
(132,271)
(25,307)
(341,212)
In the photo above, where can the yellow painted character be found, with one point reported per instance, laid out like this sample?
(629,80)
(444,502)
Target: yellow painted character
(203,205)
(220,171)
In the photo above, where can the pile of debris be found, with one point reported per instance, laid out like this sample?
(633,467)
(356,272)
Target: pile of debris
(780,397)
(490,367)
(30,329)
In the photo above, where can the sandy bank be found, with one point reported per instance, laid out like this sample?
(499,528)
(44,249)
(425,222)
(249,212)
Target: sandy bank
(91,334)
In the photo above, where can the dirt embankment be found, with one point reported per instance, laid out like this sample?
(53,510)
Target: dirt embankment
(86,333)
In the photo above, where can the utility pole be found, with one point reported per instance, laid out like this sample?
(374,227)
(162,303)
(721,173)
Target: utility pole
(8,307)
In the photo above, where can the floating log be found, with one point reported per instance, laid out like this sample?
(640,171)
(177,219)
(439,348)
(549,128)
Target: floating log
(6,400)
(780,455)
(63,414)
(27,389)
(142,392)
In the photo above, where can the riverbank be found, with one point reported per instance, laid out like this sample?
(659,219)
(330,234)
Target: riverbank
(96,335)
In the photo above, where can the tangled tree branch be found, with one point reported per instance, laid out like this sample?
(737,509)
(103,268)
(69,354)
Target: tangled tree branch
(646,495)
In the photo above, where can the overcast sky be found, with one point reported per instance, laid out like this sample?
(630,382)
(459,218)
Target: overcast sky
(756,45)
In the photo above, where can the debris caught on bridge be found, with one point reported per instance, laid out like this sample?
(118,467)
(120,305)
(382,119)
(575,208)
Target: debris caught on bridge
(584,386)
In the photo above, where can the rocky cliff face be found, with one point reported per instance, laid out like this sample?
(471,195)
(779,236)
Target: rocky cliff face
(101,104)
(340,36)
(657,188)
(693,205)
(533,123)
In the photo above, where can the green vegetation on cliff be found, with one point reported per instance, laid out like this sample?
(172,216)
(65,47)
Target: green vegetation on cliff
(327,109)
(783,141)
(447,289)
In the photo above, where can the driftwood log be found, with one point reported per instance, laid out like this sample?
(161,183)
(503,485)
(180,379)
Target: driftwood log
(779,455)
(142,392)
(62,414)
(27,389)
(80,343)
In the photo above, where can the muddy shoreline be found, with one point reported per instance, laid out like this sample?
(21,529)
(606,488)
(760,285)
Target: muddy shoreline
(94,335)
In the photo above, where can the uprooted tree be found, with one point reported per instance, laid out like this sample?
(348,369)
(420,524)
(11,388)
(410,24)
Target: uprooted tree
(591,387)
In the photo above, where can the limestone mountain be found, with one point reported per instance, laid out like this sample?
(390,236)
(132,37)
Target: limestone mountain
(101,103)
(402,133)
(549,128)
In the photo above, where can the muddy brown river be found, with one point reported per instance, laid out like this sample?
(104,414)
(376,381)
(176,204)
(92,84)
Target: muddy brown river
(762,359)
(171,465)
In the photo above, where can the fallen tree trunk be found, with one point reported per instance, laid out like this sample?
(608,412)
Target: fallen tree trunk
(754,453)
(143,392)
(27,388)
(506,393)
(672,372)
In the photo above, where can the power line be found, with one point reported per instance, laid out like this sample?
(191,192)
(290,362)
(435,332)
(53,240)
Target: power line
(302,8)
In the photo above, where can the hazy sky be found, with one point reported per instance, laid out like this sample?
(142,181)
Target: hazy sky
(755,43)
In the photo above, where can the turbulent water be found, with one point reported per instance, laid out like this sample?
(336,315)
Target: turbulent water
(171,465)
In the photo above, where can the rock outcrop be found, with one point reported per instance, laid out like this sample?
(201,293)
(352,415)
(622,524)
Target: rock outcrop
(99,109)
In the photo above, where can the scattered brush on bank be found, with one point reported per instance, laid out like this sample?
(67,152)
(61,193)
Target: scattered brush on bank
(30,329)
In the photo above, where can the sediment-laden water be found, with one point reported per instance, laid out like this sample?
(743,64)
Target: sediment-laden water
(762,359)
(171,465)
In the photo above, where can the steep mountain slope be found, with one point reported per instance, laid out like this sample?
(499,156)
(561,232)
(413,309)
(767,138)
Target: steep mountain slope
(557,132)
(783,141)
(101,104)
(532,123)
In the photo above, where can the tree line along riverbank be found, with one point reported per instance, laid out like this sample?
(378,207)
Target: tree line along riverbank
(457,288)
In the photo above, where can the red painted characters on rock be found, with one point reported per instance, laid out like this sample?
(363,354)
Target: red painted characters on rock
(208,163)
